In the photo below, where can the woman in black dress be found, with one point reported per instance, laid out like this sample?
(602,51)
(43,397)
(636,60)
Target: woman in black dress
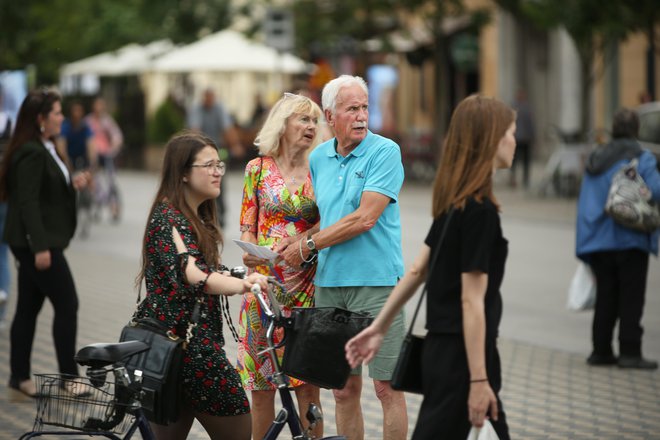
(461,367)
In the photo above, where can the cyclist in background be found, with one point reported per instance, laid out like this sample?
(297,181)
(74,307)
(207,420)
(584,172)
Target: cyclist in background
(77,145)
(108,140)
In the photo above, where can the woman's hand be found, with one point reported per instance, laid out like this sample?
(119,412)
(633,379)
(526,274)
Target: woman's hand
(255,278)
(363,347)
(481,401)
(251,261)
(42,260)
(81,180)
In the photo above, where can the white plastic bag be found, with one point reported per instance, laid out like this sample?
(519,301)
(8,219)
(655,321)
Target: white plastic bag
(582,290)
(486,432)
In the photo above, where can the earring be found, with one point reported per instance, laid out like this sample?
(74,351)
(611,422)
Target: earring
(185,180)
(42,128)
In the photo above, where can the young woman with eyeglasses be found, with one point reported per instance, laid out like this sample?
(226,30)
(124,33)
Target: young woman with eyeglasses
(181,265)
(41,220)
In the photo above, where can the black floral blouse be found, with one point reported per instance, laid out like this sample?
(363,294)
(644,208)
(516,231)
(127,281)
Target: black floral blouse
(211,383)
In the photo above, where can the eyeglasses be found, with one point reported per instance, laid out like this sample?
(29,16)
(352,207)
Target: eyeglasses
(212,167)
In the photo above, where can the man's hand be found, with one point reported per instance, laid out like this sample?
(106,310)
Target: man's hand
(291,253)
(285,243)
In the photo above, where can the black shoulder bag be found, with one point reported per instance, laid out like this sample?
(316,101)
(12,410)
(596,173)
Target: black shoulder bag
(407,374)
(162,364)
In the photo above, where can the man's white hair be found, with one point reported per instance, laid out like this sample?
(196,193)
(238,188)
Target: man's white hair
(332,88)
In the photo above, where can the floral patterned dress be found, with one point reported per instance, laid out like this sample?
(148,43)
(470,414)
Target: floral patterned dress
(273,213)
(211,384)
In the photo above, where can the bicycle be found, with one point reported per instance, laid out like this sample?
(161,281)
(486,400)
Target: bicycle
(106,192)
(106,408)
(288,414)
(113,408)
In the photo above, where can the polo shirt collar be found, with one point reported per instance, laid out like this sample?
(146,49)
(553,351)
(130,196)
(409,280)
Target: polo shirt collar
(331,150)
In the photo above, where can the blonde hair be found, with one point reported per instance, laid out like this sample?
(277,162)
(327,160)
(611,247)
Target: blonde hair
(468,152)
(268,138)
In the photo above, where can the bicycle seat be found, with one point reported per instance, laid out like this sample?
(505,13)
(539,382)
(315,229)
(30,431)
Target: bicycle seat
(102,354)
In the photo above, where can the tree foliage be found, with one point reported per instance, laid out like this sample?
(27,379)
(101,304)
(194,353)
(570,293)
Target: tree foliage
(591,24)
(331,27)
(49,34)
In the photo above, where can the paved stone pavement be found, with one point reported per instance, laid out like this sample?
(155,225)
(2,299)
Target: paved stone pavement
(548,392)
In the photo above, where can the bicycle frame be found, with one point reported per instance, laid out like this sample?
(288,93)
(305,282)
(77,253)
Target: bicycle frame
(288,414)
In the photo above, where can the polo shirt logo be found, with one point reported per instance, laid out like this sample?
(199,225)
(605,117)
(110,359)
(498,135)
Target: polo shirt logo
(359,174)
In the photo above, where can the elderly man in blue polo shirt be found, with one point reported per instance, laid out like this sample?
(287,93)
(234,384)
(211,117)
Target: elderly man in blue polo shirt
(357,176)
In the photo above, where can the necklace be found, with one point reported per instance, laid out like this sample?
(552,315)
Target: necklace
(290,174)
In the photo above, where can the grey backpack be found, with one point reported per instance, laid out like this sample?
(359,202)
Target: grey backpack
(629,200)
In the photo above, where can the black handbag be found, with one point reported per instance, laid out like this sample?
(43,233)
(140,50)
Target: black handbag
(407,375)
(161,367)
(315,342)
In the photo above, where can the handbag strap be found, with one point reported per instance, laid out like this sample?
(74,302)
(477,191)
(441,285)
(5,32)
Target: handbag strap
(256,187)
(434,258)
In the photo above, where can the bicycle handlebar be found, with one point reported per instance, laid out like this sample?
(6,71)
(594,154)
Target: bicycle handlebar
(275,308)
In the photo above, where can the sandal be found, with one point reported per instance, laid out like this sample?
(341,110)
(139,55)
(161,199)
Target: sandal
(26,387)
(77,389)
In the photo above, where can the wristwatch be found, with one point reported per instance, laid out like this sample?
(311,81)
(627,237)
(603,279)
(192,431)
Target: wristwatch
(310,244)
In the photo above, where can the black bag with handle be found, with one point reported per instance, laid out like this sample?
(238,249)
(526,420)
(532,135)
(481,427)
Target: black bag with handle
(315,343)
(161,367)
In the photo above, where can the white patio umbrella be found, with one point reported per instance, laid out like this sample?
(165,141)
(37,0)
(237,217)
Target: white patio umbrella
(228,51)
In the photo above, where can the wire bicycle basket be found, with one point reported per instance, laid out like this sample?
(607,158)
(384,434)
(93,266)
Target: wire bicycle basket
(99,408)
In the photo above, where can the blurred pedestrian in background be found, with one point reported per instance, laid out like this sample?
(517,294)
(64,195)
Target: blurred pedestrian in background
(78,139)
(525,135)
(77,145)
(357,176)
(461,373)
(108,140)
(5,276)
(211,118)
(278,206)
(41,220)
(181,267)
(618,255)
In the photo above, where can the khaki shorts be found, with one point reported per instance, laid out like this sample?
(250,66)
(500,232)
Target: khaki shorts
(368,299)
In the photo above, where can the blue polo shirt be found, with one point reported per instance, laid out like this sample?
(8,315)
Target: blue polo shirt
(372,258)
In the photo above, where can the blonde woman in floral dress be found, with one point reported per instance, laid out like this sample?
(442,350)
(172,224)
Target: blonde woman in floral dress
(278,208)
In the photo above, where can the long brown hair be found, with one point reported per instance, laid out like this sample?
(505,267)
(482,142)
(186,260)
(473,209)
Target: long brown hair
(468,152)
(37,102)
(180,153)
